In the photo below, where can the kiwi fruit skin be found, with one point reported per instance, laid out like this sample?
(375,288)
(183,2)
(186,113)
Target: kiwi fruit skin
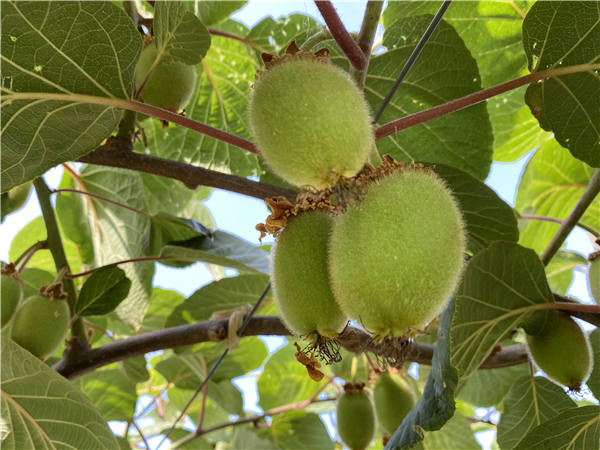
(564,352)
(393,400)
(355,419)
(310,122)
(41,324)
(397,256)
(171,84)
(300,277)
(10,297)
(594,278)
(13,199)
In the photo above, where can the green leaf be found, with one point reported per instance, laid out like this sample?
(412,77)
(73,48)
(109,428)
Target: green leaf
(560,270)
(43,409)
(551,185)
(486,388)
(284,380)
(455,434)
(33,280)
(444,71)
(529,403)
(213,12)
(501,287)
(227,396)
(557,35)
(479,23)
(222,249)
(594,381)
(275,35)
(220,100)
(135,369)
(122,234)
(112,392)
(172,197)
(573,428)
(247,438)
(162,304)
(225,294)
(298,430)
(487,217)
(179,34)
(102,292)
(436,406)
(89,48)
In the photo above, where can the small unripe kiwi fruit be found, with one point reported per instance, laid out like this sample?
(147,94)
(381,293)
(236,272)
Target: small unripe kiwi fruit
(355,418)
(564,352)
(310,121)
(301,280)
(594,278)
(41,324)
(397,256)
(14,198)
(10,297)
(394,398)
(170,85)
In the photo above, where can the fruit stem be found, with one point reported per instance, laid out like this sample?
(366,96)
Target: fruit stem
(476,97)
(55,245)
(105,199)
(348,45)
(591,191)
(72,276)
(366,37)
(28,254)
(587,228)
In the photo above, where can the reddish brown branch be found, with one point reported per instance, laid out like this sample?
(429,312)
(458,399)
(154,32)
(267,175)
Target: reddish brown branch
(348,45)
(246,41)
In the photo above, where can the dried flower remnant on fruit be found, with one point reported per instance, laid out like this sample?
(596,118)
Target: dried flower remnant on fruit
(310,362)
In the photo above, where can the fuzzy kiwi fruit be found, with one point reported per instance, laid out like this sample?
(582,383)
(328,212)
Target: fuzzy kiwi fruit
(563,352)
(13,199)
(301,280)
(41,324)
(170,85)
(10,297)
(397,256)
(393,400)
(310,121)
(355,417)
(594,278)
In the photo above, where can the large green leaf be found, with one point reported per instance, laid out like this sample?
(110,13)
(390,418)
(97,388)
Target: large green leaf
(455,434)
(560,270)
(221,295)
(551,185)
(487,217)
(212,12)
(500,286)
(436,406)
(112,392)
(179,34)
(575,428)
(594,381)
(275,35)
(488,387)
(70,48)
(444,71)
(121,234)
(530,402)
(162,304)
(557,35)
(43,410)
(284,380)
(479,24)
(220,100)
(102,292)
(297,430)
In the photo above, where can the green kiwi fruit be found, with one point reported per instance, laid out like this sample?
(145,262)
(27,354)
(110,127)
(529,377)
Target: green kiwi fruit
(355,417)
(594,278)
(563,352)
(310,121)
(300,277)
(170,85)
(13,199)
(396,257)
(394,398)
(41,324)
(10,297)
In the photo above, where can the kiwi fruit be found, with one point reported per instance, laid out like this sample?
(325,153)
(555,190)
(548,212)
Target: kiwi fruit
(301,280)
(594,277)
(170,85)
(355,417)
(563,352)
(13,199)
(310,121)
(10,297)
(396,256)
(41,324)
(394,398)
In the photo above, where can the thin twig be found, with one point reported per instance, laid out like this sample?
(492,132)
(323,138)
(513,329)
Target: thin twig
(581,225)
(366,36)
(584,202)
(136,426)
(413,57)
(72,276)
(474,98)
(348,45)
(246,41)
(204,395)
(104,199)
(28,253)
